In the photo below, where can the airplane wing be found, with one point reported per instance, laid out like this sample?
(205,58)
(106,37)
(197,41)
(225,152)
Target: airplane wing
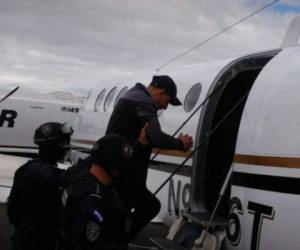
(9,94)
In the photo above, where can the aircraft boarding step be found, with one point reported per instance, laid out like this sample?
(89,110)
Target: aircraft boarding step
(190,230)
(166,244)
(202,219)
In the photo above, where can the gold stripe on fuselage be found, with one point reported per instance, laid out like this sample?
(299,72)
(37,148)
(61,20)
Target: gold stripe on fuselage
(165,152)
(87,142)
(270,161)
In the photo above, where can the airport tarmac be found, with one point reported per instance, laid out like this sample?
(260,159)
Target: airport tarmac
(141,242)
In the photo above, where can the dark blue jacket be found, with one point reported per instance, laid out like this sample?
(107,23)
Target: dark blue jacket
(34,203)
(92,215)
(131,113)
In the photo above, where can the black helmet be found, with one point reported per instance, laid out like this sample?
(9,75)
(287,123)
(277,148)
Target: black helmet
(53,134)
(113,151)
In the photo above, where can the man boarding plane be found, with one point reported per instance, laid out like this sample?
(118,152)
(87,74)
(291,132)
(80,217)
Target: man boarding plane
(259,135)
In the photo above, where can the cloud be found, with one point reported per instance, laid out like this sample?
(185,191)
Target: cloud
(71,45)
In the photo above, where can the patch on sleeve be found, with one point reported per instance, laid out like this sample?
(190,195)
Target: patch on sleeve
(127,151)
(93,230)
(98,216)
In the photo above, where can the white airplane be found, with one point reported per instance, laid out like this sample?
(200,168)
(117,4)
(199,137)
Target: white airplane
(24,111)
(247,126)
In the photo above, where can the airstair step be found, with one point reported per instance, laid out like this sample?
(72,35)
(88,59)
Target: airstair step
(202,218)
(166,244)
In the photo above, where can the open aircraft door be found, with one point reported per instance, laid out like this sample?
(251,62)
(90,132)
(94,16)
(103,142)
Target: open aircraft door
(266,163)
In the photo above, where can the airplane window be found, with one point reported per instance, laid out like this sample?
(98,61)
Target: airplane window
(99,100)
(109,98)
(121,93)
(192,97)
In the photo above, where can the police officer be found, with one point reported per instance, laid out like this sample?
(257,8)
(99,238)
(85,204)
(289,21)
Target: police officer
(93,215)
(33,203)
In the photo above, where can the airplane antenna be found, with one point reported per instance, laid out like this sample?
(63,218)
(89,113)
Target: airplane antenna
(215,35)
(9,94)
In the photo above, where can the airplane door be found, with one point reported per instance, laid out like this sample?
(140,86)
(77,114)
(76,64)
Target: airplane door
(267,162)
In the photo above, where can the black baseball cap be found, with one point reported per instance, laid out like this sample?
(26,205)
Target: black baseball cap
(113,151)
(165,82)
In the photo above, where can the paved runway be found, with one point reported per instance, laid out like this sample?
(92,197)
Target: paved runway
(153,229)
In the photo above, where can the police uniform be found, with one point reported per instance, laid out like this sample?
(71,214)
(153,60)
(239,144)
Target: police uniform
(34,200)
(33,205)
(93,215)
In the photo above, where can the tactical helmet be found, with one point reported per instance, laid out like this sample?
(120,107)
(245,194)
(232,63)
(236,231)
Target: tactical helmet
(53,134)
(113,151)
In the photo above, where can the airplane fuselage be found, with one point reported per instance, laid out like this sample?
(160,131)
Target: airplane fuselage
(247,120)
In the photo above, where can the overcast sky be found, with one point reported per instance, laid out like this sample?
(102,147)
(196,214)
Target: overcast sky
(69,45)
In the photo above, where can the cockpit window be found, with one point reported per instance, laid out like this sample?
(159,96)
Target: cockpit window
(192,97)
(121,93)
(99,100)
(109,98)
